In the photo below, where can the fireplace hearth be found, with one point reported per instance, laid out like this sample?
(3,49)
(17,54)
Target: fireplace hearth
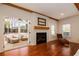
(41,37)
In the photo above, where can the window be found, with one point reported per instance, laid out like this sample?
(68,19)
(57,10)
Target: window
(53,30)
(66,30)
(14,25)
(23,26)
(11,25)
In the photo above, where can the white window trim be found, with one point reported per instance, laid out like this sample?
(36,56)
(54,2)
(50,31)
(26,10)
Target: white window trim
(54,33)
(70,30)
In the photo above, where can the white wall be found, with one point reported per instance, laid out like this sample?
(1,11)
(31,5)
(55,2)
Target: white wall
(74,21)
(1,33)
(32,17)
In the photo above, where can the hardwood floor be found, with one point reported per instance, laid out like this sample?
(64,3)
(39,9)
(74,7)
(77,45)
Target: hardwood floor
(46,49)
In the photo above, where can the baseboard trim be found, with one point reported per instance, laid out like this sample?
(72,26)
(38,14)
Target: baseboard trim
(75,43)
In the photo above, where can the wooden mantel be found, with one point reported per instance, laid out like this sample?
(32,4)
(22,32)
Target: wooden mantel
(41,27)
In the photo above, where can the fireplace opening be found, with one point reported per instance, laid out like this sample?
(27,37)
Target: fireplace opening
(41,37)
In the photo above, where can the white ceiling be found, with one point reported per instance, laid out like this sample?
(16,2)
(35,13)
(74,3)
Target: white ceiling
(55,10)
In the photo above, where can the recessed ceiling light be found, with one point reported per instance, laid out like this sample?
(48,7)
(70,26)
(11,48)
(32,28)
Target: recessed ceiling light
(62,14)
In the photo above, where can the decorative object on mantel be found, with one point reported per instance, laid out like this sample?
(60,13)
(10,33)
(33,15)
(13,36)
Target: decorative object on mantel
(41,21)
(41,27)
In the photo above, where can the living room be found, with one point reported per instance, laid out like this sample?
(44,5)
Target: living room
(41,28)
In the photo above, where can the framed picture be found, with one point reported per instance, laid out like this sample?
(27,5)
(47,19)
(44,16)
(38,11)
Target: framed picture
(41,21)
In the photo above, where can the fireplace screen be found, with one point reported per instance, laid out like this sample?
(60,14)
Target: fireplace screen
(41,37)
